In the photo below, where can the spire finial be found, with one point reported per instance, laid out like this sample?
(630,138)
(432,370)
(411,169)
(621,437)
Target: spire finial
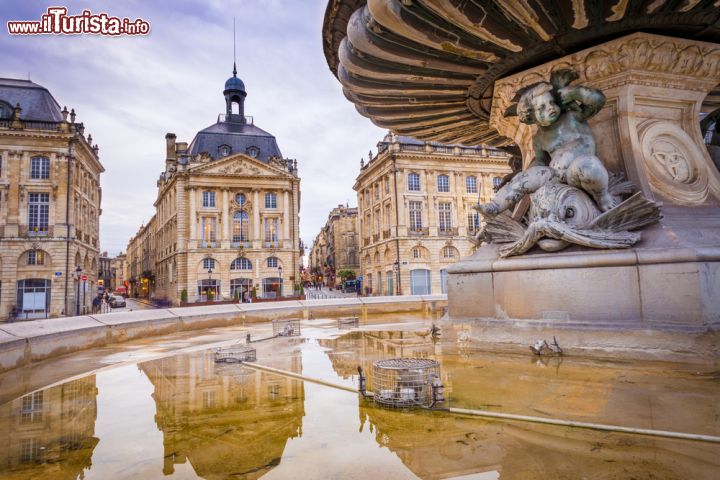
(234,54)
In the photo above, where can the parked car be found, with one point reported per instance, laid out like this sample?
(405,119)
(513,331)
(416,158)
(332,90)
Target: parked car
(122,291)
(116,301)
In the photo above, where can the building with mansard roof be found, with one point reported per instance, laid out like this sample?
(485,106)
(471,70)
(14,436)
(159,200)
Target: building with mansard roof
(49,206)
(226,224)
(416,216)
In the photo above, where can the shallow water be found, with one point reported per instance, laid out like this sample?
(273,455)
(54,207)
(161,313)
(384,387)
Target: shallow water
(183,416)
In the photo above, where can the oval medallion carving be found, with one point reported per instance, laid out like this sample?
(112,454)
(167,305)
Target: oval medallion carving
(674,163)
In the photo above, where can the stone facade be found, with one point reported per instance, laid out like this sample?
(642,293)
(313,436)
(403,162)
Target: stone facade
(49,206)
(336,247)
(141,261)
(226,219)
(416,217)
(119,269)
(107,272)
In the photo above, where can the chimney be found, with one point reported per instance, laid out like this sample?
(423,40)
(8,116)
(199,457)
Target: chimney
(170,157)
(170,140)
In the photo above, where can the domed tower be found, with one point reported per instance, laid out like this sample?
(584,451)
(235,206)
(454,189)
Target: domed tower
(235,93)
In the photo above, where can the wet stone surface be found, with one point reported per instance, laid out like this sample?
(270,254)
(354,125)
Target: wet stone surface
(160,412)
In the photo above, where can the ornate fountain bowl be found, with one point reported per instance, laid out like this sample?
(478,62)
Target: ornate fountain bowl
(427,68)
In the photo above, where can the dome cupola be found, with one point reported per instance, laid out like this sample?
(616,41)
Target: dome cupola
(234,93)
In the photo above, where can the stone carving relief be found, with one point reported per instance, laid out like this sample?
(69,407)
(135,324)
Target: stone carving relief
(573,198)
(692,63)
(239,169)
(676,167)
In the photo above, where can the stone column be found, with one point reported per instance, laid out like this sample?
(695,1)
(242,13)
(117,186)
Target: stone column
(400,205)
(225,239)
(459,216)
(431,195)
(286,220)
(192,215)
(256,240)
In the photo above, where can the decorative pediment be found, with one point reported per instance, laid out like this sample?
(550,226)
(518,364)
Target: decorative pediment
(238,165)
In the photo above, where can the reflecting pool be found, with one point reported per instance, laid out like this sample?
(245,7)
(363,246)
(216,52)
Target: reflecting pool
(183,416)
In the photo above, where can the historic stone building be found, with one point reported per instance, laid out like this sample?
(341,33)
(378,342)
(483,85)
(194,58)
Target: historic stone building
(49,206)
(318,253)
(416,216)
(226,219)
(119,271)
(106,274)
(141,261)
(336,247)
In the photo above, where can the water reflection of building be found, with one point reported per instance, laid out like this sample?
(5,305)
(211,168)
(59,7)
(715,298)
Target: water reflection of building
(225,419)
(365,348)
(51,432)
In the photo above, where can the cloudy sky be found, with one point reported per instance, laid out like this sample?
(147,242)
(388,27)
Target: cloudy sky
(131,91)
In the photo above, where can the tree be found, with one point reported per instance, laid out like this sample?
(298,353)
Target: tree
(346,275)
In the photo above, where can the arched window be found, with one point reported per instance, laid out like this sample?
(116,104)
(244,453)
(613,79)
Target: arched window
(36,257)
(448,252)
(443,183)
(413,182)
(272,262)
(208,263)
(270,200)
(417,252)
(240,227)
(241,263)
(471,184)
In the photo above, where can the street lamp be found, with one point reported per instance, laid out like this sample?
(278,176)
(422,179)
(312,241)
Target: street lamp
(396,268)
(281,281)
(78,271)
(209,283)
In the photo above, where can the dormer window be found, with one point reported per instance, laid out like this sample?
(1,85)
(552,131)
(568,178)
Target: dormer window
(254,152)
(224,150)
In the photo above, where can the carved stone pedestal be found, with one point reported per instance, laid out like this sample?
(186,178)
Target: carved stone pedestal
(649,131)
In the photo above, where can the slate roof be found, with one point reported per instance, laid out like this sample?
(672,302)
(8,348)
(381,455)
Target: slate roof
(239,136)
(36,101)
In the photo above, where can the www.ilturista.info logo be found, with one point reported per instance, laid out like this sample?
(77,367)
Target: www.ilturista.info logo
(57,21)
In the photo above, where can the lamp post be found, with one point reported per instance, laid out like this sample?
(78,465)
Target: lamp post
(209,283)
(396,268)
(281,279)
(78,271)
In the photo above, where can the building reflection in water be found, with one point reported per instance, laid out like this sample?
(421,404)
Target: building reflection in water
(226,419)
(364,348)
(442,445)
(51,432)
